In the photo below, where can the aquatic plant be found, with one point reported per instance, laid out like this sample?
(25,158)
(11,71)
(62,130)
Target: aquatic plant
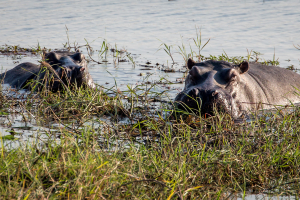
(198,43)
(168,50)
(183,51)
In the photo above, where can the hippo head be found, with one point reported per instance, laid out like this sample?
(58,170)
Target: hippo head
(70,68)
(212,86)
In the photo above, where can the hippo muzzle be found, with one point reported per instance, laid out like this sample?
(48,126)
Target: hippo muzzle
(208,102)
(73,74)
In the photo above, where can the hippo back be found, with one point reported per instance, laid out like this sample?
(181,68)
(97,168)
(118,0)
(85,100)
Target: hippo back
(270,85)
(19,75)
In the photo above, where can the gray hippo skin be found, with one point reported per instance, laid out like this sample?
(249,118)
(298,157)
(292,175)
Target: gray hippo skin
(236,89)
(70,68)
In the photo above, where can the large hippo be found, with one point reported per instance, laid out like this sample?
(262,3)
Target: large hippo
(236,89)
(65,69)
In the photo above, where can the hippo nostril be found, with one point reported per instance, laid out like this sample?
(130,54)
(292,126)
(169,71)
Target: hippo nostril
(214,93)
(196,92)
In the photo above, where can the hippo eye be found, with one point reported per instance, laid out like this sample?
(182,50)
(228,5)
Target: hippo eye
(195,72)
(193,79)
(52,57)
(78,60)
(234,95)
(233,78)
(78,57)
(233,81)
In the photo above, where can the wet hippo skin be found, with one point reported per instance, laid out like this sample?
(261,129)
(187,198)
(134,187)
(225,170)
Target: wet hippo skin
(65,69)
(236,89)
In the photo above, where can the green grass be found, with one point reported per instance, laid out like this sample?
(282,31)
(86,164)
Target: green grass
(159,154)
(110,145)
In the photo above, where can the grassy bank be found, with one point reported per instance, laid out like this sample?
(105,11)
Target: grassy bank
(160,154)
(112,144)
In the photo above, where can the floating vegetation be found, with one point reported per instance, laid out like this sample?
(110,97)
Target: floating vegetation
(17,50)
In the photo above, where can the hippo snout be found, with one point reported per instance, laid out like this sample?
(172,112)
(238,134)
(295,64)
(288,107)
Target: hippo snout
(220,101)
(206,101)
(214,99)
(212,94)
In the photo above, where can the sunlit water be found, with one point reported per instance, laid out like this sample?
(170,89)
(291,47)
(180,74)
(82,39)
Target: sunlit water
(140,27)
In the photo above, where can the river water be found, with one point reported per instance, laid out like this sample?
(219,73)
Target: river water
(141,26)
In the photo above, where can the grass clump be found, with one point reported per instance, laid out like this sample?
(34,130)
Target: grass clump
(194,51)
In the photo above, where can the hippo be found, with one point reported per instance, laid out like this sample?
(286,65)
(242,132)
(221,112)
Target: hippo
(236,89)
(65,69)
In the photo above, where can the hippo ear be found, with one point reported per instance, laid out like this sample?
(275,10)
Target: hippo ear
(78,57)
(190,63)
(243,67)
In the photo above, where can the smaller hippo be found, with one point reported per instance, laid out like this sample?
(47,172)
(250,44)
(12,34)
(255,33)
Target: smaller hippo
(236,89)
(64,69)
